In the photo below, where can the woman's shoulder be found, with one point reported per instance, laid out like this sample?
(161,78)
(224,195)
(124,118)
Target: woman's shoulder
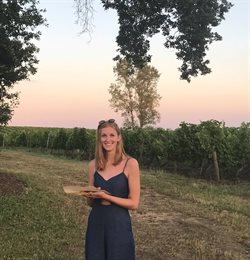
(132,162)
(132,167)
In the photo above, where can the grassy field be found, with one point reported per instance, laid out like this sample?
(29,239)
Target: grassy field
(178,218)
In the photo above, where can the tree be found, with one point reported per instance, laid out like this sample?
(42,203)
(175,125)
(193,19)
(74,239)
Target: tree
(186,145)
(8,101)
(60,139)
(18,22)
(211,137)
(187,26)
(135,95)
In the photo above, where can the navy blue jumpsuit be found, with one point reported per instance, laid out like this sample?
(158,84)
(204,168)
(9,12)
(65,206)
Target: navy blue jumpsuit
(109,233)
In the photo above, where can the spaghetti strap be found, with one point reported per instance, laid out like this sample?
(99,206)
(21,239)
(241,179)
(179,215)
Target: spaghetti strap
(125,164)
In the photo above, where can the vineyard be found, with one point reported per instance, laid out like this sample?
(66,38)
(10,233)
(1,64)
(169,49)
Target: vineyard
(207,150)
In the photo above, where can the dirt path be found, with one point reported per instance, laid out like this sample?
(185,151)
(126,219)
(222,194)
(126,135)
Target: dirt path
(170,229)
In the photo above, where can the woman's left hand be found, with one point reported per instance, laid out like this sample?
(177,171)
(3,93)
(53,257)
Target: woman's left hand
(97,195)
(100,195)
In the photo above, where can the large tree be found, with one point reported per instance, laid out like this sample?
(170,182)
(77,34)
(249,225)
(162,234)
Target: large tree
(187,26)
(19,20)
(135,94)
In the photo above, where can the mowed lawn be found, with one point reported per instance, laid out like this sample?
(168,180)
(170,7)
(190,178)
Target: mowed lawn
(178,218)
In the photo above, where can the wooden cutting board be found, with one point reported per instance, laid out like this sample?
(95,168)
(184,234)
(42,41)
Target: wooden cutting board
(80,190)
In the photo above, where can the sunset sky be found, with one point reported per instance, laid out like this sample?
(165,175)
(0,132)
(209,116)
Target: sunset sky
(70,88)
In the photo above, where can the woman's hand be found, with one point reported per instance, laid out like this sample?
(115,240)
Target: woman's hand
(98,195)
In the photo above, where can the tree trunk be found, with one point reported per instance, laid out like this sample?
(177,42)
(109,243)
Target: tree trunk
(216,167)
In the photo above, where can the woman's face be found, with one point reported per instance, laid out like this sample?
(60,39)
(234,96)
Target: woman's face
(109,138)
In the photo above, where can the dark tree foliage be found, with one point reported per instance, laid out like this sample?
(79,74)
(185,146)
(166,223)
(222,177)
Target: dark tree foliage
(187,26)
(18,22)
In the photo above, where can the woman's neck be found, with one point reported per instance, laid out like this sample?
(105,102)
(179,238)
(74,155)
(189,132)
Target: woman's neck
(110,158)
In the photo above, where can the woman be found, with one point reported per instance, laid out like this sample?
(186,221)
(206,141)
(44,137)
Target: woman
(109,233)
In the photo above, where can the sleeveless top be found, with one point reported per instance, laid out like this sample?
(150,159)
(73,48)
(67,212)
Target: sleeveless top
(116,185)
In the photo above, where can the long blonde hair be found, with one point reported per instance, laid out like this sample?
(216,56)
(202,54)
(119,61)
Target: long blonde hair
(100,152)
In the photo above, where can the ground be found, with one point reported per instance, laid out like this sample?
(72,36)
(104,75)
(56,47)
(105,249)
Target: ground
(10,185)
(165,226)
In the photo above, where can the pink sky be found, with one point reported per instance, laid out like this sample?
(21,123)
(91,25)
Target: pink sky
(71,86)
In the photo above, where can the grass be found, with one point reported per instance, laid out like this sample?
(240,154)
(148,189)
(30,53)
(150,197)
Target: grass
(229,197)
(42,221)
(178,218)
(35,225)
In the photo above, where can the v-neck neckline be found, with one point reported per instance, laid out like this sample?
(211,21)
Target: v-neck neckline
(106,180)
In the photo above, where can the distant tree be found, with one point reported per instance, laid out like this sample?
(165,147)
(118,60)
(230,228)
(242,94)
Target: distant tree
(18,22)
(21,139)
(135,95)
(187,144)
(211,137)
(187,26)
(60,139)
(73,140)
(82,139)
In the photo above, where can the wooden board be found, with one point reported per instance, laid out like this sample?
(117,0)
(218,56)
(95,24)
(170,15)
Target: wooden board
(80,190)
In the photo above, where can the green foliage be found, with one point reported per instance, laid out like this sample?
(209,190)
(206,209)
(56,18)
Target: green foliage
(243,143)
(21,139)
(18,22)
(79,143)
(59,142)
(236,154)
(186,25)
(187,149)
(211,135)
(90,144)
(187,143)
(8,101)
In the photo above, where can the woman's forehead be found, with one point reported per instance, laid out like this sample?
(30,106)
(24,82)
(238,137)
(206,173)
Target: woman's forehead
(108,129)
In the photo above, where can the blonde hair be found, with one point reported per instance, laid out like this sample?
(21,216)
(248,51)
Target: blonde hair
(100,152)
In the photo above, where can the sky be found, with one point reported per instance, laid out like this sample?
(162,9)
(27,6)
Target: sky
(75,71)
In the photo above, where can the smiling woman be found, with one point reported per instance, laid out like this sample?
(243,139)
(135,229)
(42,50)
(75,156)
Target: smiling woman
(109,233)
